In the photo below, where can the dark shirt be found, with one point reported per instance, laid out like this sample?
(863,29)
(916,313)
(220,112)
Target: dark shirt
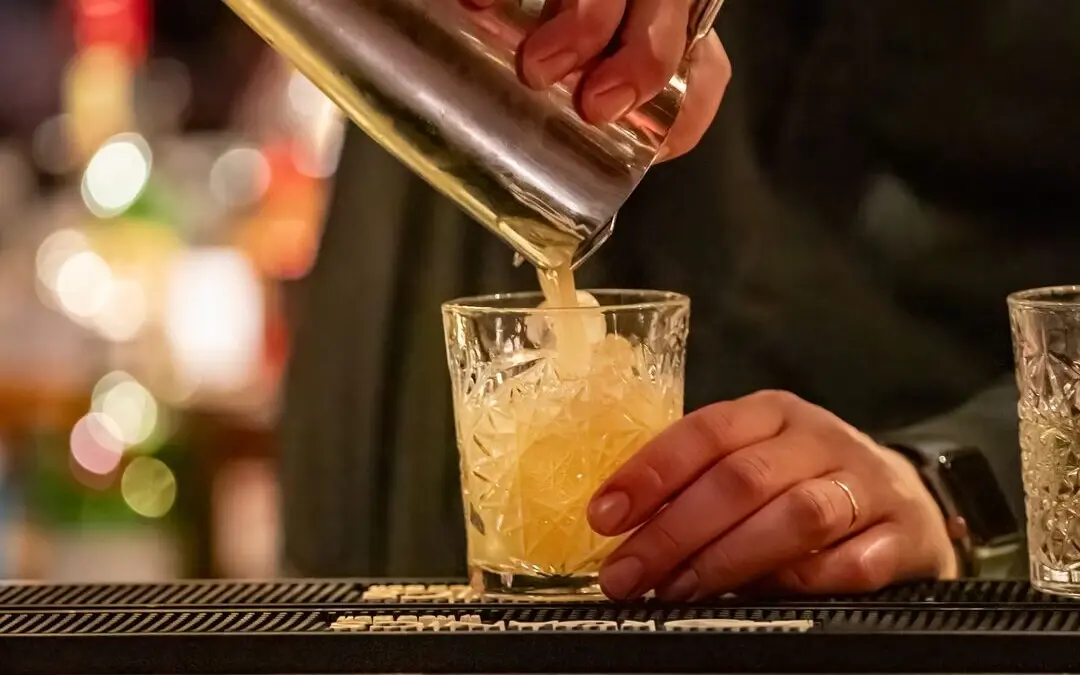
(881,175)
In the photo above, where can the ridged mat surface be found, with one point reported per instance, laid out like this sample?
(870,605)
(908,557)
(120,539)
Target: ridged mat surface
(310,626)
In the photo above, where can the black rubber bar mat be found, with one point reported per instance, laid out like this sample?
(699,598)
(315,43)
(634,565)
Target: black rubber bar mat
(330,627)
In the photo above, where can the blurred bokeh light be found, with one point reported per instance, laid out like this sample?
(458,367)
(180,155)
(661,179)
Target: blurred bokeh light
(153,208)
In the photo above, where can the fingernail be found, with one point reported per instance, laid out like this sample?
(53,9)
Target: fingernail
(611,104)
(662,155)
(682,589)
(550,69)
(608,511)
(620,579)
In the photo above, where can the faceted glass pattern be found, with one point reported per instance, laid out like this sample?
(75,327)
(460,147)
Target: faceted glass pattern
(1046,342)
(537,437)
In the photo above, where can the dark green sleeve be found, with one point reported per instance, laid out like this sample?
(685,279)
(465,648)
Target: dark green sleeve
(987,422)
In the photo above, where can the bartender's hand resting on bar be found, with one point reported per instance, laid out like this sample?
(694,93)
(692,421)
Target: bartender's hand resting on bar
(767,493)
(650,38)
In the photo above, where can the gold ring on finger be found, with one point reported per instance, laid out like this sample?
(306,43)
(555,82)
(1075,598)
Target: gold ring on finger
(851,498)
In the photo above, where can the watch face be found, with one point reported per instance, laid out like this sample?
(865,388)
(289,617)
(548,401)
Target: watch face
(978,497)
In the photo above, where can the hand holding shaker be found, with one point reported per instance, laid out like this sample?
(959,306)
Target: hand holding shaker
(436,84)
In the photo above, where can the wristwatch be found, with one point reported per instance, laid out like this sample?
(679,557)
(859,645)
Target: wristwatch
(987,534)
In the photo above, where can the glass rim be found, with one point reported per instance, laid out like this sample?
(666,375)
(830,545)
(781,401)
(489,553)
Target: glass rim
(485,304)
(1044,297)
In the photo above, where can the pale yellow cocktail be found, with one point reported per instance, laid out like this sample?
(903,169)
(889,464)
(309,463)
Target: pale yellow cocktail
(540,426)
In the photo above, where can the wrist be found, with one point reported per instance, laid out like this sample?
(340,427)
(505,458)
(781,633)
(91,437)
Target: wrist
(980,524)
(951,531)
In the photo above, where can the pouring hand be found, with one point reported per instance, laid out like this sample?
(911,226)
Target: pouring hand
(770,492)
(650,38)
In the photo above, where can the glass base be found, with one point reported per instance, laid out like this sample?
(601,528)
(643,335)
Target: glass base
(1055,581)
(524,587)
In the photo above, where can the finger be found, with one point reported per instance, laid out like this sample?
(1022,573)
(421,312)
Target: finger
(576,34)
(652,45)
(478,4)
(709,75)
(681,453)
(878,557)
(811,516)
(732,490)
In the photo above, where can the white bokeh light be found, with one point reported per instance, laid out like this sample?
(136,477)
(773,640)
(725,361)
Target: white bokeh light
(124,312)
(116,175)
(132,408)
(240,177)
(56,250)
(83,285)
(214,318)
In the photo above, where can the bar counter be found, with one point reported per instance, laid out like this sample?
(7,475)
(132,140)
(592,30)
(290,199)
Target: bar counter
(383,626)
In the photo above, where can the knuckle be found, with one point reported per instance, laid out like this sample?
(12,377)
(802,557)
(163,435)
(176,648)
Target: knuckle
(796,580)
(597,26)
(712,53)
(814,511)
(654,68)
(828,437)
(750,473)
(654,473)
(869,575)
(662,542)
(714,424)
(723,63)
(777,398)
(715,566)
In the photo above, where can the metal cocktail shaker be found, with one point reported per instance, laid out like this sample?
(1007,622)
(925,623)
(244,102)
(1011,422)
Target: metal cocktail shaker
(435,83)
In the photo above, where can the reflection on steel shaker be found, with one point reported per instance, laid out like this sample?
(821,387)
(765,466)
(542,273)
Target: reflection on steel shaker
(436,84)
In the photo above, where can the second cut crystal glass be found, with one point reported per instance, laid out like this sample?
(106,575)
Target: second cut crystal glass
(1046,341)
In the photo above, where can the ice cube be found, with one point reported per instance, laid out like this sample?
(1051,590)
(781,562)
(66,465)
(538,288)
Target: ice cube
(613,367)
(584,299)
(521,365)
(616,353)
(541,328)
(538,331)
